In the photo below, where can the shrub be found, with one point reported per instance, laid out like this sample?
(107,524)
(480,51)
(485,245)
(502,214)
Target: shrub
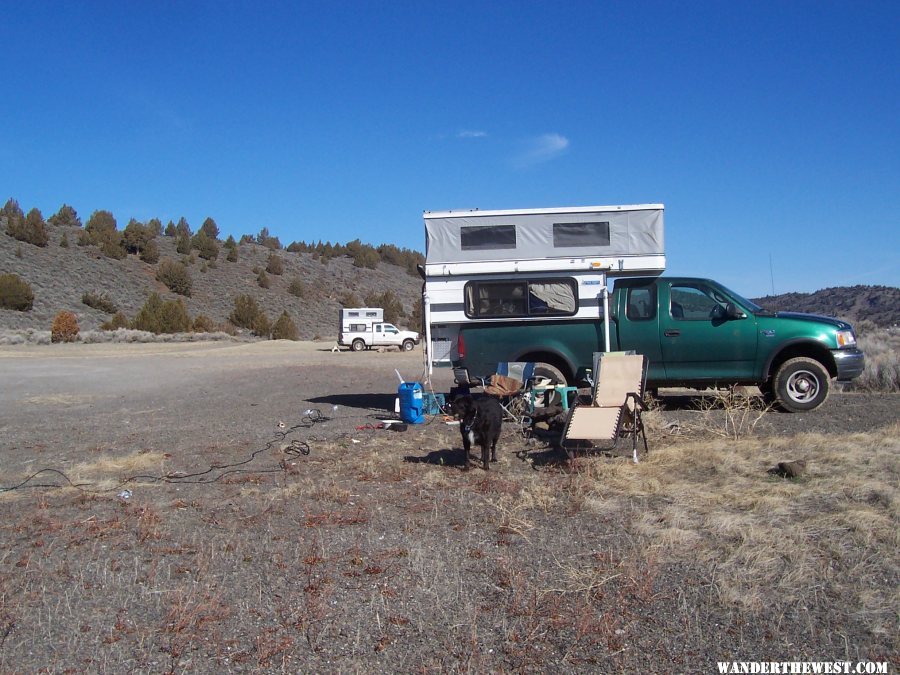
(232,255)
(135,236)
(393,308)
(263,327)
(100,225)
(285,328)
(247,314)
(158,316)
(296,287)
(64,241)
(263,279)
(275,265)
(65,216)
(15,293)
(150,252)
(206,245)
(175,276)
(64,328)
(99,301)
(31,229)
(182,243)
(118,321)
(111,246)
(203,324)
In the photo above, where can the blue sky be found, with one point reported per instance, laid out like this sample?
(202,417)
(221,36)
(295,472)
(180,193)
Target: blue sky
(770,130)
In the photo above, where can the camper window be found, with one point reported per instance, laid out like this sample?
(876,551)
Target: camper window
(487,237)
(580,234)
(547,297)
(358,328)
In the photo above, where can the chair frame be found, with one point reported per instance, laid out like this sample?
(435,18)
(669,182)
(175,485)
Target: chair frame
(630,422)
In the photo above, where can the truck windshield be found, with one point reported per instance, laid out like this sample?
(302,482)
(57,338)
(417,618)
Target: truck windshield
(749,304)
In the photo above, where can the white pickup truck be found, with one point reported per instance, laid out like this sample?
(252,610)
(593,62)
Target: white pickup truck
(363,328)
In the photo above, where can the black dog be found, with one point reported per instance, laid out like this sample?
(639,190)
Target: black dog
(479,423)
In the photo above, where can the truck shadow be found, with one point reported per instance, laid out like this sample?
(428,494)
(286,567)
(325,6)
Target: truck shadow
(376,402)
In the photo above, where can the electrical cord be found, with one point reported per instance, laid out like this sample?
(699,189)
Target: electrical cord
(296,448)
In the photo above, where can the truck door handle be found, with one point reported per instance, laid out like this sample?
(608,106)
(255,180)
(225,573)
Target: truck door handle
(672,333)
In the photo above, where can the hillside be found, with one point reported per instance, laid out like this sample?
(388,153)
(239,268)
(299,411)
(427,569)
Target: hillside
(59,276)
(878,304)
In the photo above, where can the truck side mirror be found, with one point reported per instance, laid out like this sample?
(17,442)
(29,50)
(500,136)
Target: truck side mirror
(732,312)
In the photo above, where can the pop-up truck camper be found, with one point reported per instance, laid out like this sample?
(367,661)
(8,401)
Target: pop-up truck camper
(533,285)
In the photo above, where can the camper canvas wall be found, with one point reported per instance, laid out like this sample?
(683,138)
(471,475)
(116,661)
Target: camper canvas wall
(530,267)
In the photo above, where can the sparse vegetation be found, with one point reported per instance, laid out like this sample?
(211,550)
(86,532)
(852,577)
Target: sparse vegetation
(31,229)
(262,279)
(99,301)
(297,288)
(285,328)
(15,293)
(275,264)
(119,320)
(203,324)
(248,315)
(64,328)
(158,316)
(175,276)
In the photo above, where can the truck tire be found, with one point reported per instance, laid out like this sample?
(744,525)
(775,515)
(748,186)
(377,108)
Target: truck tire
(357,345)
(407,345)
(551,372)
(801,384)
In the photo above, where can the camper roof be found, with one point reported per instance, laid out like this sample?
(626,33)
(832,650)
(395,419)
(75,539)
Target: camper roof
(628,237)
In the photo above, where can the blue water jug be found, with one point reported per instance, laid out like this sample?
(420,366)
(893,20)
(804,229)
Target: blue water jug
(411,408)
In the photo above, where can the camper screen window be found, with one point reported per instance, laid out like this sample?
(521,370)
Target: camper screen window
(487,237)
(358,328)
(580,234)
(547,297)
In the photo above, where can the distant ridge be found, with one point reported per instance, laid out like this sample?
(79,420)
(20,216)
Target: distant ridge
(878,304)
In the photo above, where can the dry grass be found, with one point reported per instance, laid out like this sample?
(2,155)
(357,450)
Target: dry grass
(882,373)
(769,541)
(355,559)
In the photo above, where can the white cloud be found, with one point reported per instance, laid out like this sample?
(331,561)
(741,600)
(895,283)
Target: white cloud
(467,133)
(541,149)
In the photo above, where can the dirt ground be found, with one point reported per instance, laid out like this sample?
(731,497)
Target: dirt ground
(224,507)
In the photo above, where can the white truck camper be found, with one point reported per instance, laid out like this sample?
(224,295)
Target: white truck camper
(524,268)
(364,327)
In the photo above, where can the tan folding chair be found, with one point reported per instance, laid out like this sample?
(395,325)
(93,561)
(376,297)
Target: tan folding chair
(616,404)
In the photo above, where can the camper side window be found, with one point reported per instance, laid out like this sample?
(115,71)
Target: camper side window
(545,297)
(357,328)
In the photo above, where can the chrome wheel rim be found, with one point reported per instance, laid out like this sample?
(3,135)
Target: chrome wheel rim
(803,386)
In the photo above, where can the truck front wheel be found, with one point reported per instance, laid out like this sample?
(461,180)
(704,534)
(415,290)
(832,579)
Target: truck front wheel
(358,345)
(801,384)
(407,345)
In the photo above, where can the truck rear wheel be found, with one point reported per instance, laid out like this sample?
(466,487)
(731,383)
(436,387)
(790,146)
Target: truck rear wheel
(407,345)
(801,384)
(357,345)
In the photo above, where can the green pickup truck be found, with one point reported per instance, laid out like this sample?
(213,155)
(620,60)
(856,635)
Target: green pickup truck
(694,332)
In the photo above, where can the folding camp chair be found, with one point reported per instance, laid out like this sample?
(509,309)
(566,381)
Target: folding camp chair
(511,385)
(616,404)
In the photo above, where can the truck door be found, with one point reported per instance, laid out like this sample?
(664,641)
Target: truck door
(637,320)
(699,342)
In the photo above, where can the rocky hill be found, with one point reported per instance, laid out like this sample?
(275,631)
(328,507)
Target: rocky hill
(60,275)
(878,304)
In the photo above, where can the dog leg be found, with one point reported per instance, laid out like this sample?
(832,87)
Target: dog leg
(467,445)
(485,456)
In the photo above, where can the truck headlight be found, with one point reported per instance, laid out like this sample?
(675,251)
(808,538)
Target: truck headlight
(846,339)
